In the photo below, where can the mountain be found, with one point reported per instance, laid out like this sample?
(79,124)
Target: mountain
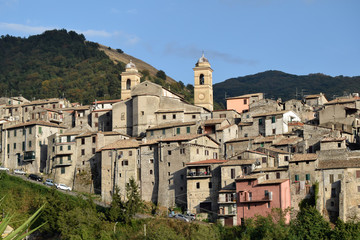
(59,63)
(277,84)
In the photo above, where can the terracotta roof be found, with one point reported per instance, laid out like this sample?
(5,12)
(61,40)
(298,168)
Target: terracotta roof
(245,124)
(169,110)
(257,152)
(209,161)
(150,142)
(42,101)
(270,113)
(338,164)
(246,96)
(248,177)
(71,133)
(102,110)
(275,150)
(342,100)
(287,141)
(109,133)
(170,125)
(313,96)
(261,139)
(86,134)
(270,169)
(295,124)
(187,137)
(274,181)
(87,107)
(239,162)
(122,144)
(108,101)
(242,139)
(332,139)
(43,123)
(303,157)
(227,191)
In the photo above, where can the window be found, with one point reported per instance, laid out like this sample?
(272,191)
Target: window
(177,130)
(30,130)
(169,173)
(82,152)
(339,145)
(296,178)
(40,130)
(215,156)
(331,178)
(260,121)
(29,144)
(93,151)
(82,141)
(207,152)
(8,148)
(232,173)
(130,153)
(96,115)
(197,185)
(193,116)
(245,101)
(164,117)
(307,177)
(249,183)
(94,139)
(14,146)
(142,113)
(333,192)
(125,163)
(274,131)
(151,171)
(358,174)
(182,150)
(210,184)
(174,116)
(268,205)
(278,175)
(264,160)
(23,146)
(286,158)
(151,160)
(163,131)
(197,151)
(267,176)
(169,152)
(151,133)
(15,133)
(62,170)
(307,162)
(69,147)
(273,119)
(61,148)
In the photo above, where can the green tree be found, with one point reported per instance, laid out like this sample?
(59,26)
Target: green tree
(161,74)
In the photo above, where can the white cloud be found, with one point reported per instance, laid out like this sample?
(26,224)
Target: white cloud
(95,33)
(23,29)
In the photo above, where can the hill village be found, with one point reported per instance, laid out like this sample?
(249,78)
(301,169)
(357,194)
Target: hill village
(225,165)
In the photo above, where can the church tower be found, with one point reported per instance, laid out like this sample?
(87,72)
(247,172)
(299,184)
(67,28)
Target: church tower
(203,91)
(129,79)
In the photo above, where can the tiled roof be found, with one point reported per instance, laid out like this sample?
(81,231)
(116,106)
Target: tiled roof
(187,137)
(149,142)
(296,124)
(245,124)
(102,110)
(303,157)
(338,164)
(108,101)
(270,113)
(77,108)
(109,133)
(276,150)
(332,139)
(270,169)
(239,162)
(245,96)
(261,139)
(342,100)
(169,110)
(225,127)
(214,121)
(42,123)
(242,139)
(227,191)
(42,101)
(170,125)
(122,144)
(209,161)
(287,141)
(313,96)
(248,177)
(274,181)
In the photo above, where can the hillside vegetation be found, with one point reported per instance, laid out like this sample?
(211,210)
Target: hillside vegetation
(59,63)
(276,84)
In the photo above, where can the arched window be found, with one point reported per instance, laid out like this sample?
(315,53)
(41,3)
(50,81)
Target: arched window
(128,84)
(201,79)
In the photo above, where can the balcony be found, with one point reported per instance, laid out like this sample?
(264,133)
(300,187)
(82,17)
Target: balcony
(225,214)
(29,156)
(62,163)
(193,174)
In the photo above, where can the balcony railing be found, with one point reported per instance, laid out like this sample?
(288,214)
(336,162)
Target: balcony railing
(198,174)
(29,156)
(62,163)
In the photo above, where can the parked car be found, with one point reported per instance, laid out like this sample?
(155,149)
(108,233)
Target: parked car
(190,216)
(49,182)
(181,217)
(4,169)
(35,177)
(63,187)
(19,171)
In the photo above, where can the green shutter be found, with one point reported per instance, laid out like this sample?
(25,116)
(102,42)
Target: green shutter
(308,177)
(296,177)
(178,131)
(187,129)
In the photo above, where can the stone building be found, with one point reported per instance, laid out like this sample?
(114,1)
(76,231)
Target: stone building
(25,145)
(203,89)
(203,184)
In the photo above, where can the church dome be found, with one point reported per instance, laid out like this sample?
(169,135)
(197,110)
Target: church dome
(130,65)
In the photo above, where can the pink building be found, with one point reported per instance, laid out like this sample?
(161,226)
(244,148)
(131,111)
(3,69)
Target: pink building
(257,196)
(242,103)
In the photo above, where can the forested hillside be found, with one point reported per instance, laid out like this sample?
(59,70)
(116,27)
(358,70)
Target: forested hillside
(276,84)
(59,63)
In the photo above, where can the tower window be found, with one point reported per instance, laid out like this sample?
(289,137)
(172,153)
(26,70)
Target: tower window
(128,84)
(201,78)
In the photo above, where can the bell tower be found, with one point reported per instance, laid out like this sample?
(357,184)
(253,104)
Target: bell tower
(203,91)
(129,79)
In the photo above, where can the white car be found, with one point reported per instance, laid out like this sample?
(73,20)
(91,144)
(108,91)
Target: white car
(19,171)
(63,187)
(4,169)
(181,217)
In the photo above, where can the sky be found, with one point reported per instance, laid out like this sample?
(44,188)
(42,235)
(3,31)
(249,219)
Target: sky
(239,37)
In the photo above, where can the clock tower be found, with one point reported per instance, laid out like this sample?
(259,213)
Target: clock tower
(203,91)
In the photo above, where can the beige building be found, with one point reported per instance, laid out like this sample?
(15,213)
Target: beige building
(25,145)
(129,79)
(203,89)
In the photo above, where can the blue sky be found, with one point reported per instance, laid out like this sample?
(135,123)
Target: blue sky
(239,37)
